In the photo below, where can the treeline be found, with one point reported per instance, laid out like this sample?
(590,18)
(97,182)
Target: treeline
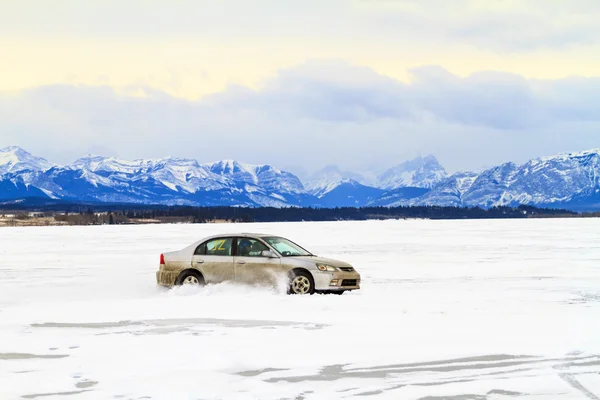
(103,213)
(271,214)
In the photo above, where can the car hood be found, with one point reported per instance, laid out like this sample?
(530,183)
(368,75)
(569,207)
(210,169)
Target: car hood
(320,260)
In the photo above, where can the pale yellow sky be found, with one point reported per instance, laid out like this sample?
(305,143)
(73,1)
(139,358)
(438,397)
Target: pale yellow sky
(190,49)
(191,68)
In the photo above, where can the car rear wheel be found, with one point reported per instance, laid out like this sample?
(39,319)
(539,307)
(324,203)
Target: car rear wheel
(301,282)
(190,278)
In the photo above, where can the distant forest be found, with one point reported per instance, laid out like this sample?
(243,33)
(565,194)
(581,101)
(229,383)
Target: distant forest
(130,213)
(270,214)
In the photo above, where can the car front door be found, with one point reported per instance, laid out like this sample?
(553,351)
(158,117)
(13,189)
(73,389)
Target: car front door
(251,267)
(214,258)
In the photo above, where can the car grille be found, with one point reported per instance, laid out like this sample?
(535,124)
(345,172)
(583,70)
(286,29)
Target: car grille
(349,282)
(347,269)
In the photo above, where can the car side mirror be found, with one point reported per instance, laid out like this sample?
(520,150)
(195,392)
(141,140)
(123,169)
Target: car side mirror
(268,253)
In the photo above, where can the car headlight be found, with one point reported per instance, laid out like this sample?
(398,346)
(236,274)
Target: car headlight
(325,267)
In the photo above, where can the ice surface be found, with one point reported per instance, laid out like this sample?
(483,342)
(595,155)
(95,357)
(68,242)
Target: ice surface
(448,309)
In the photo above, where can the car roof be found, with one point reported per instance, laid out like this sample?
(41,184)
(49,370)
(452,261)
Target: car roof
(260,234)
(239,234)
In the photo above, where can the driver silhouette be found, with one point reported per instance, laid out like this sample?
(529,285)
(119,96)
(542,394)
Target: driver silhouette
(244,248)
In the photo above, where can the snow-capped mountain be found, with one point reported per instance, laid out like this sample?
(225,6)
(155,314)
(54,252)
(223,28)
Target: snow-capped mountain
(548,180)
(448,192)
(402,196)
(15,159)
(422,172)
(330,177)
(491,186)
(333,187)
(347,193)
(400,183)
(165,181)
(567,181)
(264,176)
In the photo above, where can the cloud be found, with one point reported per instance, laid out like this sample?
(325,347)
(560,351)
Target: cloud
(507,26)
(493,99)
(335,91)
(196,47)
(322,90)
(315,114)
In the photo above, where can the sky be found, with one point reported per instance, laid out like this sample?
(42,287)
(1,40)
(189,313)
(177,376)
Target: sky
(362,84)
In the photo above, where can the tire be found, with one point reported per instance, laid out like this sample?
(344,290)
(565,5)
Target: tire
(301,282)
(190,278)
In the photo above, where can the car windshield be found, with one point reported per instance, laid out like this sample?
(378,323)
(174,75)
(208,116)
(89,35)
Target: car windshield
(285,247)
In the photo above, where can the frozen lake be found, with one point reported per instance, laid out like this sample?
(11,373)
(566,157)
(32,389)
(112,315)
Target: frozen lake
(448,310)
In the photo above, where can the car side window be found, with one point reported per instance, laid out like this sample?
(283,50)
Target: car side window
(247,247)
(219,247)
(200,250)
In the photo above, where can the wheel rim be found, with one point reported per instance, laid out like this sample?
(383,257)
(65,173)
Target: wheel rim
(300,285)
(191,280)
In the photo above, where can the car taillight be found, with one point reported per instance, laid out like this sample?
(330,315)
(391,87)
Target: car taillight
(162,259)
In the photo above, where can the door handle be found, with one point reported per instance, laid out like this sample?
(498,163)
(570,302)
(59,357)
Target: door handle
(241,262)
(199,261)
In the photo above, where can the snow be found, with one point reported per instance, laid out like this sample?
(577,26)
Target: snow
(563,179)
(15,159)
(230,167)
(330,177)
(180,176)
(551,180)
(278,196)
(447,308)
(49,193)
(424,172)
(571,155)
(330,186)
(464,181)
(170,185)
(96,179)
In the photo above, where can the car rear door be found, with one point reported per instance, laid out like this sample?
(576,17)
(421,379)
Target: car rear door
(214,258)
(251,267)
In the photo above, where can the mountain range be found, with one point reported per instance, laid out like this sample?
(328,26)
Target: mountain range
(569,181)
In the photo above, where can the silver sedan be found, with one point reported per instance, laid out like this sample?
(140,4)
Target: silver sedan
(256,259)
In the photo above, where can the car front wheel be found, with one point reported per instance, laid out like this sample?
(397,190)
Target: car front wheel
(301,282)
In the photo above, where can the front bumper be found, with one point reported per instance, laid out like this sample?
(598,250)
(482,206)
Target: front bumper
(344,280)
